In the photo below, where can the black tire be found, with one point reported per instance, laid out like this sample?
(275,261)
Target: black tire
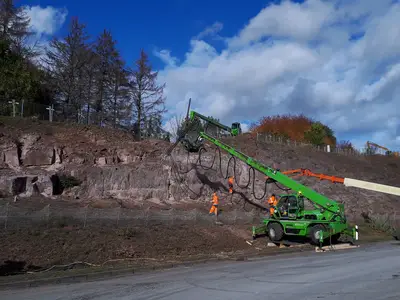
(275,232)
(314,233)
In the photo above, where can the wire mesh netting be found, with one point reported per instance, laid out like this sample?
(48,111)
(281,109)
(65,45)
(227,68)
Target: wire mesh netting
(12,217)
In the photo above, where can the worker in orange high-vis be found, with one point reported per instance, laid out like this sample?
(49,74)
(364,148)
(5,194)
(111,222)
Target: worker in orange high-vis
(214,206)
(230,182)
(272,201)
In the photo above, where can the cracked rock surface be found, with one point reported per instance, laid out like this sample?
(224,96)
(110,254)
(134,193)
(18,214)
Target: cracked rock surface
(108,163)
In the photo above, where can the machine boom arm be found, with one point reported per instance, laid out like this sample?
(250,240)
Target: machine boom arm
(194,114)
(383,188)
(313,196)
(372,186)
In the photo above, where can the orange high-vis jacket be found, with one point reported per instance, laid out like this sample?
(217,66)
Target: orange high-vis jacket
(272,201)
(215,200)
(230,180)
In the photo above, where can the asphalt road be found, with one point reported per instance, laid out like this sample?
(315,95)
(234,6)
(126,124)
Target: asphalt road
(368,273)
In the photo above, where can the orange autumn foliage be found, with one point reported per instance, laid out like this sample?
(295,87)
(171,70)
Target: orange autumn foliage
(291,127)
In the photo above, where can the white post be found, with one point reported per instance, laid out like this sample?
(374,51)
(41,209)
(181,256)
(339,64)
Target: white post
(50,109)
(80,116)
(356,232)
(14,103)
(328,148)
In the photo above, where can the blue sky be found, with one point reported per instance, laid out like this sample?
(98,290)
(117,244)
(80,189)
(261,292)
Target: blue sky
(336,61)
(155,24)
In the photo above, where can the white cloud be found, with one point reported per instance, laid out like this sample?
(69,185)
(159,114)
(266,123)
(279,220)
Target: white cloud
(166,58)
(245,127)
(211,31)
(336,61)
(44,23)
(288,19)
(46,20)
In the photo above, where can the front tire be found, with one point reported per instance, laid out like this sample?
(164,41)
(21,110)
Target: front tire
(315,233)
(275,232)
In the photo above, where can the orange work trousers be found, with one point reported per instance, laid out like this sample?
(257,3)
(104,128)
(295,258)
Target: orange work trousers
(271,211)
(214,210)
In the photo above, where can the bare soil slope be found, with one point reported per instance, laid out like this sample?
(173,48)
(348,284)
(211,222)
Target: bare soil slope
(112,167)
(375,168)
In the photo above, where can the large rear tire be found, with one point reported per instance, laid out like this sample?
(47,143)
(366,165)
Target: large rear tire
(275,232)
(315,233)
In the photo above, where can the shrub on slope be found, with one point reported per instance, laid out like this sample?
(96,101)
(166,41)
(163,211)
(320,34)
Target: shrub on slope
(297,128)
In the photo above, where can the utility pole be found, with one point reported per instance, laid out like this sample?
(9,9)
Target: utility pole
(14,104)
(50,109)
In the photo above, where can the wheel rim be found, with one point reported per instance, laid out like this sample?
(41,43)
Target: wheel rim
(317,234)
(271,232)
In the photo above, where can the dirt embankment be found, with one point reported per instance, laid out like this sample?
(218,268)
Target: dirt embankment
(113,168)
(109,164)
(43,247)
(376,168)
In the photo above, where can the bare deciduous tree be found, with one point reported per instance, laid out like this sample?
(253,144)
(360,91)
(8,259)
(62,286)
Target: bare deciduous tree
(14,24)
(175,126)
(108,57)
(147,96)
(86,80)
(120,105)
(65,62)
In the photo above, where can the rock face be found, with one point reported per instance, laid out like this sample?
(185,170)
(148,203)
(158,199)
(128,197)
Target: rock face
(92,163)
(37,164)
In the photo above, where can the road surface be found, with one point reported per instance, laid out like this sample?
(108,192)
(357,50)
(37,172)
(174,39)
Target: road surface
(369,273)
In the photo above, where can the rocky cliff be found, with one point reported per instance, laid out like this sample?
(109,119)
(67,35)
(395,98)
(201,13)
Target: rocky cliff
(84,162)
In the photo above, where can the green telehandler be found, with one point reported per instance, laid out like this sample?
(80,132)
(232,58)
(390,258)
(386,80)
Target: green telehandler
(327,221)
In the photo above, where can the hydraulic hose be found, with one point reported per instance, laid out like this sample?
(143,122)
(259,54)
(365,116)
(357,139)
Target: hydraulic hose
(251,178)
(231,162)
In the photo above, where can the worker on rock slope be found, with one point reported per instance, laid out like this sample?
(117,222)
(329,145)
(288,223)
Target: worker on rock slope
(272,201)
(214,206)
(230,183)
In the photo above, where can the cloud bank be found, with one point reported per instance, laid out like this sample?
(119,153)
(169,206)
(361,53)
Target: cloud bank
(46,20)
(44,23)
(336,61)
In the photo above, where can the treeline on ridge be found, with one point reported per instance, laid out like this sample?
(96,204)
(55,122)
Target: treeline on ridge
(301,129)
(84,78)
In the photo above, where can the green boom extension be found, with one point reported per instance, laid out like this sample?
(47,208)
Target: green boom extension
(234,130)
(325,221)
